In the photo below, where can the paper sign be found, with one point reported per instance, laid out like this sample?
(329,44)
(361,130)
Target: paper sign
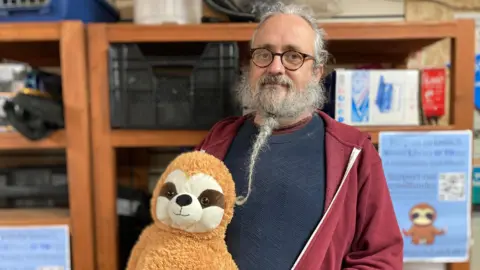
(35,248)
(428,175)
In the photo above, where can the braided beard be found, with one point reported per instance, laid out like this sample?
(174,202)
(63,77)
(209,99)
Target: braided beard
(273,107)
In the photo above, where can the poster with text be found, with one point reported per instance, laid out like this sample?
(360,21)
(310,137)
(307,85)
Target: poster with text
(429,176)
(35,248)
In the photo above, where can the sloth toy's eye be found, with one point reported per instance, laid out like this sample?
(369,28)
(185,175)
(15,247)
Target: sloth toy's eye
(204,201)
(210,197)
(168,190)
(170,194)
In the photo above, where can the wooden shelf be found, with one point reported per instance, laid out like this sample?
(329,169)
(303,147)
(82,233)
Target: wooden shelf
(35,43)
(129,32)
(356,42)
(30,32)
(15,141)
(48,216)
(476,162)
(157,138)
(346,42)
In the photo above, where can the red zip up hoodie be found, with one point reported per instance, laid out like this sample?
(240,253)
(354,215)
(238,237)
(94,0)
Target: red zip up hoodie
(359,229)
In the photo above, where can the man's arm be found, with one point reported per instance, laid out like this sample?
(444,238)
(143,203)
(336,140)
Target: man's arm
(378,242)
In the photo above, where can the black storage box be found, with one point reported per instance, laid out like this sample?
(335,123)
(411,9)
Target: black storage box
(172,85)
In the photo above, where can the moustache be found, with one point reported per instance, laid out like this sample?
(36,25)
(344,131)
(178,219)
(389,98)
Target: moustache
(280,80)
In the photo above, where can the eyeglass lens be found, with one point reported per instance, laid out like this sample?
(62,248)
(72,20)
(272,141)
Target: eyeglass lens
(290,59)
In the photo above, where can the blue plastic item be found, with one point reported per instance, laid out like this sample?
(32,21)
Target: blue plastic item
(477,82)
(57,10)
(360,96)
(384,96)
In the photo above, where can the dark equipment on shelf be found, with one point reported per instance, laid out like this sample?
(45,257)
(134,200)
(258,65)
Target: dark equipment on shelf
(236,11)
(37,111)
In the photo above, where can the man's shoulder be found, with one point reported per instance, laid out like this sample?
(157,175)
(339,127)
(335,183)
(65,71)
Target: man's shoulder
(226,126)
(222,130)
(352,137)
(346,134)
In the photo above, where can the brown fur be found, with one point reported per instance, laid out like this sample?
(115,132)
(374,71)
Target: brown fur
(162,247)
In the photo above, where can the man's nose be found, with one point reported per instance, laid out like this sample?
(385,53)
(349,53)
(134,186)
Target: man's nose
(276,67)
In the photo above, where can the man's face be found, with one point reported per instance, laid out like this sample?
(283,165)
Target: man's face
(273,91)
(276,89)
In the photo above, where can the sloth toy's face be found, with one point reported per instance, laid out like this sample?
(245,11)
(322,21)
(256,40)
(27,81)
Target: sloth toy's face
(190,203)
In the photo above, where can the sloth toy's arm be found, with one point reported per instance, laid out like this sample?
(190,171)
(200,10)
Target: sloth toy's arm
(439,231)
(407,233)
(139,247)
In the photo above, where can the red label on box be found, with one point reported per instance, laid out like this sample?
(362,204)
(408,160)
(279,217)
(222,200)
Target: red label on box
(433,92)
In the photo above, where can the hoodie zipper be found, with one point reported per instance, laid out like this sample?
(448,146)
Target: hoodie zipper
(353,157)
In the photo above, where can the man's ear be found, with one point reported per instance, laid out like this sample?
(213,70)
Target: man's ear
(318,72)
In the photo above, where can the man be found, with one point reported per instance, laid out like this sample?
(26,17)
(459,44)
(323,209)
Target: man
(313,192)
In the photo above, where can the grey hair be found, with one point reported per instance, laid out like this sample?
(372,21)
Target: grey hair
(266,11)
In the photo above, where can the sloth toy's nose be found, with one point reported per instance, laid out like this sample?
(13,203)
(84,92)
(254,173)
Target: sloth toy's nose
(184,200)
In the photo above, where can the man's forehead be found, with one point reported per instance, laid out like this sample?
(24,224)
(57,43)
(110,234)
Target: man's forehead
(285,32)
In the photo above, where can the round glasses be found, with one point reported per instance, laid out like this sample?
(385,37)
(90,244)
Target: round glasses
(291,60)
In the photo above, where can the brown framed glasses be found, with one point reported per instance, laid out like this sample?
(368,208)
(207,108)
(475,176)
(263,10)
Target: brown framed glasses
(291,60)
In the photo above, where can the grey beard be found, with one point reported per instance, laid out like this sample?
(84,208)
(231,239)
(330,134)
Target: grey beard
(266,129)
(272,110)
(264,101)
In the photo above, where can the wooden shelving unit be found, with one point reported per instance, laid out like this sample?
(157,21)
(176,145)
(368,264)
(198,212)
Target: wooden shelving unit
(28,217)
(16,141)
(61,45)
(348,42)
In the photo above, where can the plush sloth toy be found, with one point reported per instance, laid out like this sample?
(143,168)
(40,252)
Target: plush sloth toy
(192,205)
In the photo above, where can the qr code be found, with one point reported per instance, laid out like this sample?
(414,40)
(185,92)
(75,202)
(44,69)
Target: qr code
(451,187)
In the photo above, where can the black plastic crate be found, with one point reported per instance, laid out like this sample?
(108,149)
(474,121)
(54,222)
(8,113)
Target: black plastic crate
(172,85)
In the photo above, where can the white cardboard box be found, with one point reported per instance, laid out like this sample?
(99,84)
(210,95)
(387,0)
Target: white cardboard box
(370,9)
(377,97)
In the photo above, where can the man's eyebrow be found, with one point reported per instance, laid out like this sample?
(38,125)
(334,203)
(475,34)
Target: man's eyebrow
(284,48)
